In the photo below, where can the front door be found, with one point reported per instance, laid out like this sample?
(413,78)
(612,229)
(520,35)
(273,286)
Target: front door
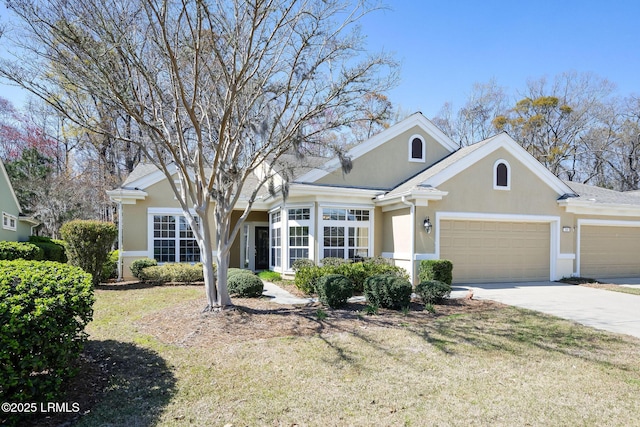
(262,248)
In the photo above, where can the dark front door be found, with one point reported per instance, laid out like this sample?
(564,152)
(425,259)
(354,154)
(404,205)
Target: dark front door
(262,248)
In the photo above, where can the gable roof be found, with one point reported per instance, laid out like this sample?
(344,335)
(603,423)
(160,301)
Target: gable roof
(428,180)
(599,195)
(416,119)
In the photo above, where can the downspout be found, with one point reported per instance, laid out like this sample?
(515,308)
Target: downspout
(412,208)
(120,249)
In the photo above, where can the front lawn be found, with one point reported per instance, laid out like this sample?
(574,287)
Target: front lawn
(156,360)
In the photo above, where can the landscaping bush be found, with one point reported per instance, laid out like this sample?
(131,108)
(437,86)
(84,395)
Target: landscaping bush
(333,262)
(432,291)
(54,249)
(233,271)
(88,244)
(334,290)
(172,272)
(436,269)
(245,285)
(156,274)
(306,278)
(302,262)
(20,250)
(140,264)
(110,266)
(388,290)
(44,307)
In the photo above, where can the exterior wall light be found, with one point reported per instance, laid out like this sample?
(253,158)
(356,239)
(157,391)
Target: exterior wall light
(566,229)
(427,225)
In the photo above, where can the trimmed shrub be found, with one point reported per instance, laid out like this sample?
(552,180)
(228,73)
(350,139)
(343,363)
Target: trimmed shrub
(54,249)
(432,291)
(110,267)
(140,264)
(20,250)
(334,290)
(44,307)
(334,262)
(156,274)
(388,290)
(306,278)
(233,271)
(245,285)
(88,244)
(302,262)
(436,269)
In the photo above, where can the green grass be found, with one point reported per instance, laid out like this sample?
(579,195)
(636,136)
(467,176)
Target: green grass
(270,276)
(499,367)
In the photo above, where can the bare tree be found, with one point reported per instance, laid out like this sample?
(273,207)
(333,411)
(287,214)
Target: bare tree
(217,89)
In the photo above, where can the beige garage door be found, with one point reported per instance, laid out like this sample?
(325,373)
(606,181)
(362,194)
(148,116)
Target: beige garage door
(484,251)
(609,251)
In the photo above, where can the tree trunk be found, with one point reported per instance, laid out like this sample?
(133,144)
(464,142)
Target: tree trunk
(224,300)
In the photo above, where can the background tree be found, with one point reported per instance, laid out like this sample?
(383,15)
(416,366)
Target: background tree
(216,90)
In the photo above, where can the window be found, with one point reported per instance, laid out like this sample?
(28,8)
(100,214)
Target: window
(345,233)
(9,222)
(501,175)
(276,239)
(173,239)
(298,243)
(417,149)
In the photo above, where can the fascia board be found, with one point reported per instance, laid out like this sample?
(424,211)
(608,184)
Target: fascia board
(411,194)
(152,178)
(126,196)
(502,141)
(416,119)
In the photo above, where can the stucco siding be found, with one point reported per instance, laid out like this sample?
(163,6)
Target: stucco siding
(388,164)
(397,233)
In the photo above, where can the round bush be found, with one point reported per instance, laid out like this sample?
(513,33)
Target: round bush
(302,262)
(334,290)
(44,307)
(53,249)
(432,291)
(245,285)
(140,264)
(233,271)
(388,290)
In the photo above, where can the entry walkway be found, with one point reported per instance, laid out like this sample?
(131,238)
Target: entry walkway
(598,308)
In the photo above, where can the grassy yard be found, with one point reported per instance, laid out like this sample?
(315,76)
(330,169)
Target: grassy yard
(166,364)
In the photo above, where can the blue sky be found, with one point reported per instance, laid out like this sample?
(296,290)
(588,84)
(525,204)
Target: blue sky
(446,46)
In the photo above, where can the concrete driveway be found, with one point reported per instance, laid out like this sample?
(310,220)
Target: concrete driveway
(598,308)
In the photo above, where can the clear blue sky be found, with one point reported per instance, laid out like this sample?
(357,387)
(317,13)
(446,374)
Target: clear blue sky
(446,46)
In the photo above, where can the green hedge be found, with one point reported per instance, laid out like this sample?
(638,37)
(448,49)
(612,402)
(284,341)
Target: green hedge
(245,285)
(54,249)
(172,272)
(387,290)
(334,290)
(436,269)
(44,307)
(432,291)
(88,244)
(110,266)
(20,250)
(138,265)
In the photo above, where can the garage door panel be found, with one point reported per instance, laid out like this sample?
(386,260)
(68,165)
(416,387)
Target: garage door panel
(608,251)
(484,251)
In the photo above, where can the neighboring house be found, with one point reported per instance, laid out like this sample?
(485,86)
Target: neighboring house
(413,194)
(15,226)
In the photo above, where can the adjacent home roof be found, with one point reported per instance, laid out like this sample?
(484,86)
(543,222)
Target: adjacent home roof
(599,195)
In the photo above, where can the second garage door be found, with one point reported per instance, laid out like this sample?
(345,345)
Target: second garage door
(609,251)
(487,251)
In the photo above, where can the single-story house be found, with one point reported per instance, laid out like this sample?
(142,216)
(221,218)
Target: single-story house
(16,227)
(412,194)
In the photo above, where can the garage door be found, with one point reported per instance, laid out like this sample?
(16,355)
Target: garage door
(486,251)
(609,251)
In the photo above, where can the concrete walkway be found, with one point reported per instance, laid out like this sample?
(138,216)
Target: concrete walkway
(598,308)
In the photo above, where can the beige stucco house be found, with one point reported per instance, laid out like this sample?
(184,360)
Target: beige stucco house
(412,194)
(16,227)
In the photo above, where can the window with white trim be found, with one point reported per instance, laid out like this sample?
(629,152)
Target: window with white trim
(417,149)
(501,175)
(275,221)
(345,233)
(173,239)
(299,222)
(9,222)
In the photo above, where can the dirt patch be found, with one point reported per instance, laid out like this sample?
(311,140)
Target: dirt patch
(186,325)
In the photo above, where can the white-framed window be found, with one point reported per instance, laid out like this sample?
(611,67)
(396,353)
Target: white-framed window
(417,149)
(345,233)
(501,175)
(9,222)
(173,239)
(298,231)
(275,225)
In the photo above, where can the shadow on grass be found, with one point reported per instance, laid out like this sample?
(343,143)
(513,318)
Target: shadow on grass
(131,286)
(139,384)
